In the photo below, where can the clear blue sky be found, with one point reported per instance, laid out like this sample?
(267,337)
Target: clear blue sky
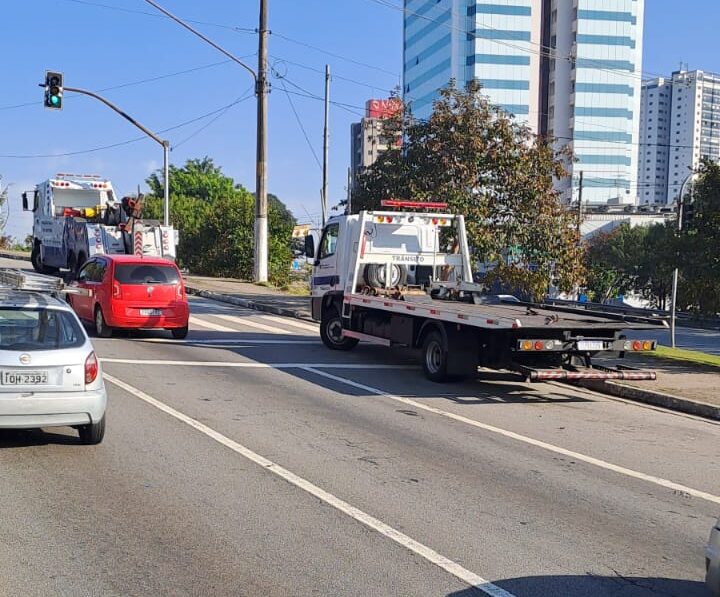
(98,47)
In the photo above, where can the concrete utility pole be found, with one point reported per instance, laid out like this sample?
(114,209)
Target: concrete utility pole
(261,205)
(326,145)
(673,308)
(261,90)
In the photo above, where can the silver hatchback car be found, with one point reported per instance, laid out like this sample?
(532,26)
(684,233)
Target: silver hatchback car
(712,560)
(49,374)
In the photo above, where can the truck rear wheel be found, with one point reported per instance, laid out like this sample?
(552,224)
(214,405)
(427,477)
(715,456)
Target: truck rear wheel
(38,265)
(331,331)
(435,357)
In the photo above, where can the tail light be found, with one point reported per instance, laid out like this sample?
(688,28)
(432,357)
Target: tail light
(179,291)
(117,290)
(91,368)
(637,345)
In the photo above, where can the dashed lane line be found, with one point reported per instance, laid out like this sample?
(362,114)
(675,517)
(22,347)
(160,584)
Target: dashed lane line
(429,554)
(703,495)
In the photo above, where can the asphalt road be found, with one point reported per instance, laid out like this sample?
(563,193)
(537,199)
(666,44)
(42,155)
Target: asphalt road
(249,460)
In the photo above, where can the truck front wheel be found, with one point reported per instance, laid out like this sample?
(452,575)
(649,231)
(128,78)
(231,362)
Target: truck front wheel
(331,331)
(435,357)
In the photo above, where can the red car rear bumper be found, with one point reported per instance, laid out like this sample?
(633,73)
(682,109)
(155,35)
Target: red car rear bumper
(175,316)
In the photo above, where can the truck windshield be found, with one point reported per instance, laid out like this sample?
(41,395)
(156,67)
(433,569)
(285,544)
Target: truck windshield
(141,273)
(76,198)
(38,329)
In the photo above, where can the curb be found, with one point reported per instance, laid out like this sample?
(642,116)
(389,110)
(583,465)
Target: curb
(684,405)
(248,304)
(16,256)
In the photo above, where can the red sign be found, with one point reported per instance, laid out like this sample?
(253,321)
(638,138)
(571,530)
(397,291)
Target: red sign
(382,108)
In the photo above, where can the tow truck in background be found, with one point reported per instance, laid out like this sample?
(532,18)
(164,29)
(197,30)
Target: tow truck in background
(76,217)
(360,292)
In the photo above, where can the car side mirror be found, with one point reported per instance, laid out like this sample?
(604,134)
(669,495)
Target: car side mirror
(310,247)
(25,202)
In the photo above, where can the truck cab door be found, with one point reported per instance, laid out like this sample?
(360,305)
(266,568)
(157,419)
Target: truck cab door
(325,273)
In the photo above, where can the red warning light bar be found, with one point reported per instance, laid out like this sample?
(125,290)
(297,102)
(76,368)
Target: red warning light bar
(413,204)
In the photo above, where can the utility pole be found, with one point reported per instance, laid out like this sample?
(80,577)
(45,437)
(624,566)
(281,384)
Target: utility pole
(261,204)
(261,90)
(579,213)
(326,145)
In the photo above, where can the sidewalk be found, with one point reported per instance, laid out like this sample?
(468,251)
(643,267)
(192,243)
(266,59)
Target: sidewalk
(252,296)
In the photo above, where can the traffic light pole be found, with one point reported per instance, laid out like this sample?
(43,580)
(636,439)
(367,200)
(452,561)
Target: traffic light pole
(261,91)
(681,204)
(165,145)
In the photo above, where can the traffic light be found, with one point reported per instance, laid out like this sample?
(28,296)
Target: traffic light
(53,90)
(688,214)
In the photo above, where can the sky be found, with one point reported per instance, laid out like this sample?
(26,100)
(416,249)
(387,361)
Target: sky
(165,77)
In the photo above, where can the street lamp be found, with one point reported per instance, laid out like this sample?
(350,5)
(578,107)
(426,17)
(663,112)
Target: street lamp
(681,202)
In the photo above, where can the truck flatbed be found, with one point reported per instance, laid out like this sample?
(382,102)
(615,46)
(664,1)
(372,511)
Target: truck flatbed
(504,315)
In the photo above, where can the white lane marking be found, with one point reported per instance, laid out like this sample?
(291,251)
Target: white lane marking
(254,324)
(209,325)
(296,323)
(525,439)
(391,533)
(252,364)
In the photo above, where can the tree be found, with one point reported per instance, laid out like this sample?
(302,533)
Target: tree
(493,171)
(699,258)
(215,218)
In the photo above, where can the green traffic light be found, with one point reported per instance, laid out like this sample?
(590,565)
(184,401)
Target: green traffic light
(54,100)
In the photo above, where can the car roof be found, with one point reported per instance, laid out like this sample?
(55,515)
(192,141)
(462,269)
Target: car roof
(138,259)
(31,300)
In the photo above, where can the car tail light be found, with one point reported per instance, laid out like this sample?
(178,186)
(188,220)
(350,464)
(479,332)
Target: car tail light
(91,368)
(117,290)
(637,345)
(179,291)
(539,345)
(647,345)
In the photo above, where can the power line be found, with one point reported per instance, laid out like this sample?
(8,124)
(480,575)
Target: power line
(152,14)
(121,143)
(222,113)
(544,51)
(138,82)
(300,124)
(336,55)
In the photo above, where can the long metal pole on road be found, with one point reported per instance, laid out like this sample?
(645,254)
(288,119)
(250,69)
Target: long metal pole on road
(326,146)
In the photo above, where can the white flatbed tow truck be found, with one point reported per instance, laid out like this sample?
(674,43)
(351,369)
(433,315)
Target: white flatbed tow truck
(361,292)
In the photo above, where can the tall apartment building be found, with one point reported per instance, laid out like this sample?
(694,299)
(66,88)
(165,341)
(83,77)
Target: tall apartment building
(594,76)
(680,126)
(654,154)
(567,68)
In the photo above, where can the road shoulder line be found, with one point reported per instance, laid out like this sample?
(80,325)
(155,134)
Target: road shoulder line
(375,524)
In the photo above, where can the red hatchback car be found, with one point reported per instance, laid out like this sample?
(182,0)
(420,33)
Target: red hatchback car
(132,292)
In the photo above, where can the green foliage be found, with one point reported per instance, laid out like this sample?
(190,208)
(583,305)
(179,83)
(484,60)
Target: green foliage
(699,257)
(216,218)
(639,259)
(493,171)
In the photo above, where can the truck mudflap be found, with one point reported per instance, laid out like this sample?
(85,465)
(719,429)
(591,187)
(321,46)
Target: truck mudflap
(595,372)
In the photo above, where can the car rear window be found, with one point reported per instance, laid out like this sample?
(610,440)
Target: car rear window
(38,329)
(140,273)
